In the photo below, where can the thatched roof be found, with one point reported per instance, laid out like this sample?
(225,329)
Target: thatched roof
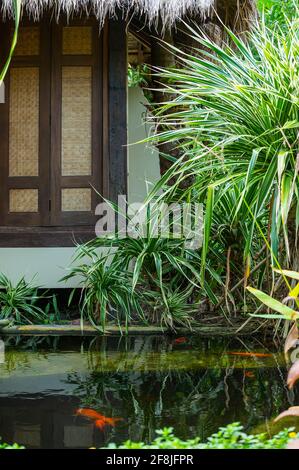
(168,10)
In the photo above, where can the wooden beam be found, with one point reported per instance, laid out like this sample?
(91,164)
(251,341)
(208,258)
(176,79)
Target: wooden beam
(117,89)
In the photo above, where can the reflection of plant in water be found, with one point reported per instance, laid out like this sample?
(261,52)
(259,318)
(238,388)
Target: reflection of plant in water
(32,343)
(153,382)
(153,399)
(18,350)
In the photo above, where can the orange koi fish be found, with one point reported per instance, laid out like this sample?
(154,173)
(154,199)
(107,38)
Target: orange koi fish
(181,340)
(104,421)
(100,421)
(88,413)
(249,374)
(249,354)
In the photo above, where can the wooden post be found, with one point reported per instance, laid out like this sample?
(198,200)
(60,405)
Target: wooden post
(117,100)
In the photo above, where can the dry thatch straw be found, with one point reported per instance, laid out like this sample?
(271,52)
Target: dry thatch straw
(166,12)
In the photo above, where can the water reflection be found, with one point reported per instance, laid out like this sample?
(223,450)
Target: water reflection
(150,382)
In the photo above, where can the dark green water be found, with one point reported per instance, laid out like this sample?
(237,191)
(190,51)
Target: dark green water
(150,382)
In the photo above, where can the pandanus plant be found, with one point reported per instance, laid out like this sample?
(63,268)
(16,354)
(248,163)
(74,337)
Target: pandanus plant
(235,120)
(17,13)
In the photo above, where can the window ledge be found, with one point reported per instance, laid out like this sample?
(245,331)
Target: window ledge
(34,237)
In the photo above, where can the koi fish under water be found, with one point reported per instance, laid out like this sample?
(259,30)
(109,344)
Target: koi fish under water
(249,374)
(104,421)
(180,340)
(249,354)
(100,421)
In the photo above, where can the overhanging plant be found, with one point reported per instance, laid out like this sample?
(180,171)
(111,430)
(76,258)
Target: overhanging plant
(284,312)
(17,13)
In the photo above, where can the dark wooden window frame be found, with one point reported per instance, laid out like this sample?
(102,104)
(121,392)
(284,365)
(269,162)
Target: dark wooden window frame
(112,91)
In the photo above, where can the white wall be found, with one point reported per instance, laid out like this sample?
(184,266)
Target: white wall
(50,264)
(143,159)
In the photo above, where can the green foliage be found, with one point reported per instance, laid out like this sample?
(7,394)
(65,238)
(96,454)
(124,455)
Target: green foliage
(283,311)
(154,274)
(138,75)
(235,120)
(106,289)
(18,302)
(52,311)
(172,308)
(278,12)
(17,11)
(12,446)
(229,437)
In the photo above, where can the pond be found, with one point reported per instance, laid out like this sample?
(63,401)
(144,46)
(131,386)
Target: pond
(192,384)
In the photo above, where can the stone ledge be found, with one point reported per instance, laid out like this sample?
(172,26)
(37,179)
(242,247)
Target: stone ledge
(88,330)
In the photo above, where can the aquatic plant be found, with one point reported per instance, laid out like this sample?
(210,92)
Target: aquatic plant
(229,437)
(18,301)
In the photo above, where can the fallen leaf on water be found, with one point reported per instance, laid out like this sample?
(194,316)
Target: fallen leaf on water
(293,375)
(292,338)
(293,411)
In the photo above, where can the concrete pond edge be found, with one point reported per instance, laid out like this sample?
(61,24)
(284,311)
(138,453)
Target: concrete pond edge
(88,330)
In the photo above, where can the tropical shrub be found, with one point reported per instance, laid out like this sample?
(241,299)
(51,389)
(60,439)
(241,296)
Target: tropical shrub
(229,437)
(18,302)
(106,290)
(152,276)
(278,12)
(235,120)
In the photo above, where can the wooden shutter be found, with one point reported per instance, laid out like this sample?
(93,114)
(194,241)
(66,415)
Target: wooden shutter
(76,125)
(51,125)
(25,130)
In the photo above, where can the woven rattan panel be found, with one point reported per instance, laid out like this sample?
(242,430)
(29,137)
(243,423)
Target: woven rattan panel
(77,40)
(76,199)
(76,121)
(23,200)
(28,41)
(24,121)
